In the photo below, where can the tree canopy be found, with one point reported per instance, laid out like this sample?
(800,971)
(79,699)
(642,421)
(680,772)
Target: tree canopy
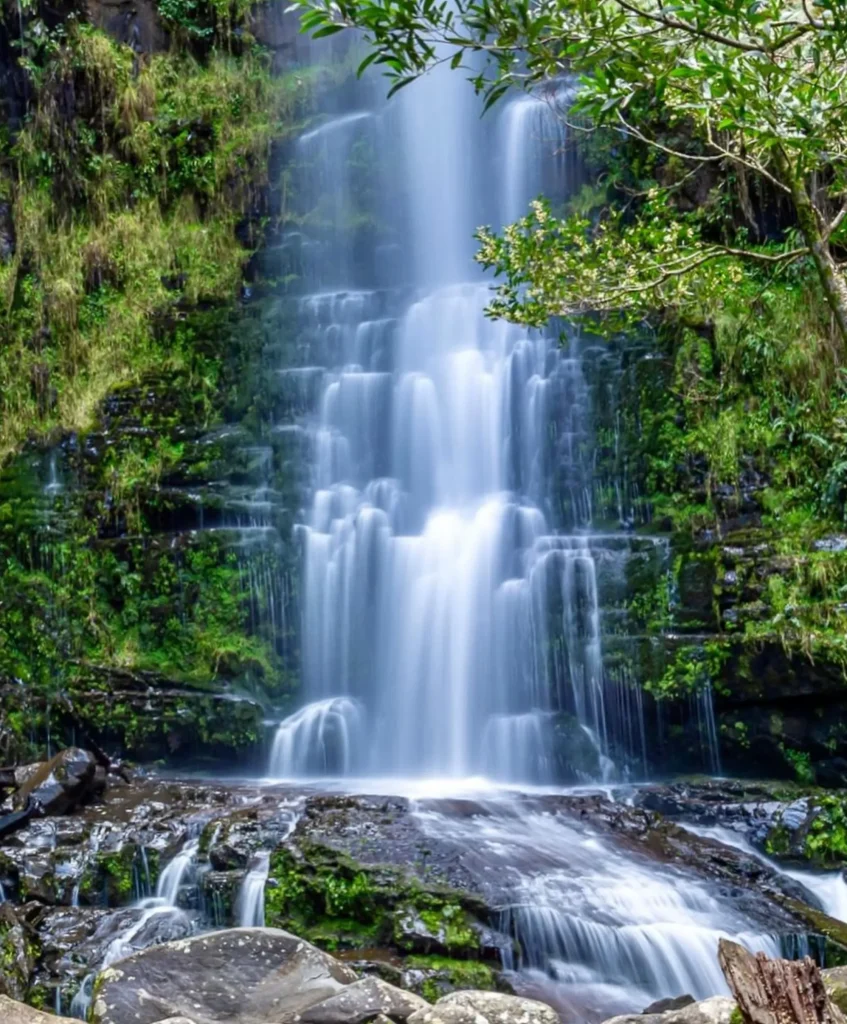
(758,86)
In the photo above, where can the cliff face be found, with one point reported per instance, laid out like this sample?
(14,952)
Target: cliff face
(146,566)
(741,598)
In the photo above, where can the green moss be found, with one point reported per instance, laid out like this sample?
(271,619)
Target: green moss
(826,842)
(459,974)
(778,842)
(339,903)
(736,1017)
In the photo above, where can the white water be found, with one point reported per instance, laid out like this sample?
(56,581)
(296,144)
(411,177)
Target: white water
(451,579)
(144,930)
(828,887)
(251,899)
(445,625)
(600,931)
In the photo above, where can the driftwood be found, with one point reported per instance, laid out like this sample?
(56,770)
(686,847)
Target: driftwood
(776,991)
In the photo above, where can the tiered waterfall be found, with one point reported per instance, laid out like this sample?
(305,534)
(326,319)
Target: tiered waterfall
(451,624)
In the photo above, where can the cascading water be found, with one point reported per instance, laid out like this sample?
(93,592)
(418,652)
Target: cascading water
(450,590)
(599,931)
(251,899)
(445,630)
(159,919)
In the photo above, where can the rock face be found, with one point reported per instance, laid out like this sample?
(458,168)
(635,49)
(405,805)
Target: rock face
(243,975)
(61,783)
(485,1008)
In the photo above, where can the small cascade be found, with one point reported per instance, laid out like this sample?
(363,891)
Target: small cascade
(251,899)
(159,919)
(320,739)
(827,889)
(598,931)
(176,872)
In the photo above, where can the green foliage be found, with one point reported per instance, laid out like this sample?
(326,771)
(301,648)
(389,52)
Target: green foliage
(757,89)
(800,761)
(692,668)
(826,842)
(445,974)
(118,227)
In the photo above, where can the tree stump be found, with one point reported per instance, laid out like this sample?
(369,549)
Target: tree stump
(776,991)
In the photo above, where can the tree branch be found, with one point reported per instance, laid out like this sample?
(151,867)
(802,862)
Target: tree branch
(684,26)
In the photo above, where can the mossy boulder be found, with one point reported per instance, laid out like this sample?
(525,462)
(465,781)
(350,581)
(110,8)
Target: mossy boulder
(358,873)
(18,954)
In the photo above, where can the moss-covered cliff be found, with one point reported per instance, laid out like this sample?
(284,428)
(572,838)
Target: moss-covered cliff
(146,576)
(722,440)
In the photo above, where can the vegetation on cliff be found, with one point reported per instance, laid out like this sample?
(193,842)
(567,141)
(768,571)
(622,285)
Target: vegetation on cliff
(134,187)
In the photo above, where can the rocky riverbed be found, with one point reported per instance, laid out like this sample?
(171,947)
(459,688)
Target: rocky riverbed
(530,893)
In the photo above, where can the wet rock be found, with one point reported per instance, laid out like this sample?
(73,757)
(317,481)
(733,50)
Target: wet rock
(717,1010)
(61,783)
(446,930)
(254,975)
(12,1012)
(485,1008)
(17,960)
(664,1005)
(220,894)
(361,1002)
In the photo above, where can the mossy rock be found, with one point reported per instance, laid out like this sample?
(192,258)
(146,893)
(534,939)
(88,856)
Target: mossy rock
(435,976)
(115,878)
(339,903)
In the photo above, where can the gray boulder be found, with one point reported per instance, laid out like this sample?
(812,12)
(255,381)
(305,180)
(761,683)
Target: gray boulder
(16,1013)
(237,976)
(485,1008)
(716,1010)
(363,1002)
(60,784)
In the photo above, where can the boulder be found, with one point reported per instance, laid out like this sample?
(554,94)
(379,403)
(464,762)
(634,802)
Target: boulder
(16,1013)
(717,1010)
(361,1002)
(486,1008)
(835,981)
(241,975)
(61,783)
(672,1003)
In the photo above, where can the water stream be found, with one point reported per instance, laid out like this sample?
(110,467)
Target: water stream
(451,620)
(452,625)
(827,889)
(600,931)
(157,919)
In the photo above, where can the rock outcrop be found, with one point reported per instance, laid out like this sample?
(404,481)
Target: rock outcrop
(243,975)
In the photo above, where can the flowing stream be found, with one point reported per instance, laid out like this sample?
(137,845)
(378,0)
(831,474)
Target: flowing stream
(451,619)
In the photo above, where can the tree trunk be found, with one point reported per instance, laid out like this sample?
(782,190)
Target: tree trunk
(776,991)
(832,281)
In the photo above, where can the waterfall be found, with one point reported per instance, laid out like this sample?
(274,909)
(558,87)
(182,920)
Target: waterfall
(595,930)
(158,919)
(251,899)
(450,605)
